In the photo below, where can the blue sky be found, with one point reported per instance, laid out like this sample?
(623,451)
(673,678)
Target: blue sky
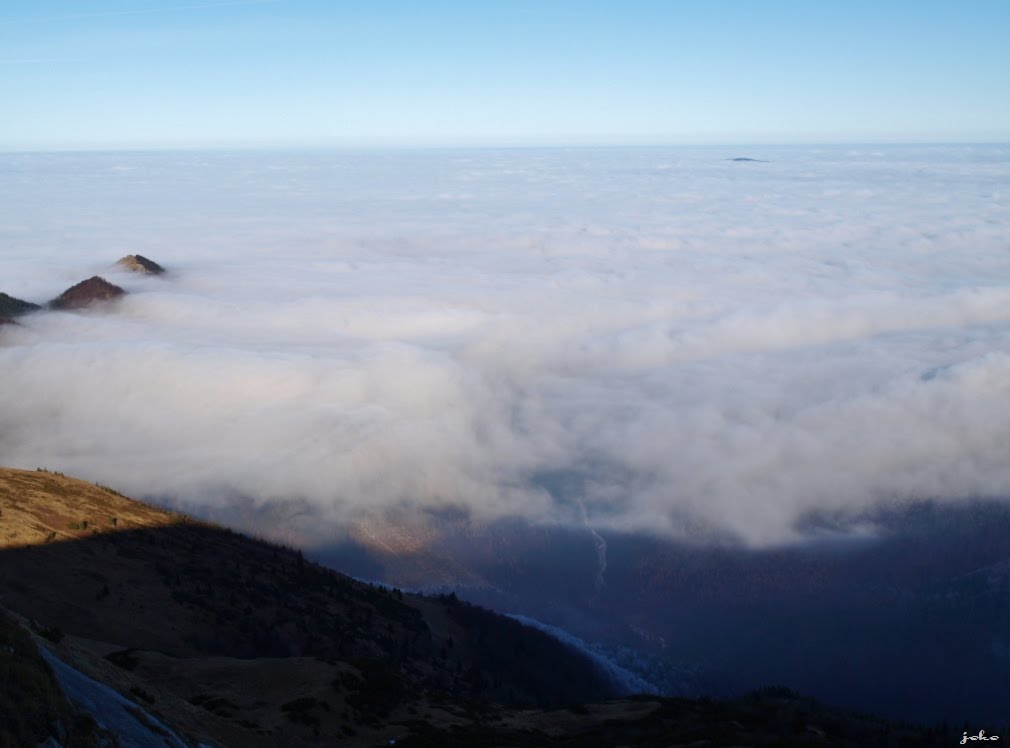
(157,73)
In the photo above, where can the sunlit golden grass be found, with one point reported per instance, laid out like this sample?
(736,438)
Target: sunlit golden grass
(39,506)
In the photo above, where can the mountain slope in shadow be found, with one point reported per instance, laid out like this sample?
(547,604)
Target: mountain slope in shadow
(197,610)
(903,611)
(232,641)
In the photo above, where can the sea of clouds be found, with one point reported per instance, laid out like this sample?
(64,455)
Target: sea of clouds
(640,339)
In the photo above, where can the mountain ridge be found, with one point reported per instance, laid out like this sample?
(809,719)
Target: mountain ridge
(172,594)
(233,641)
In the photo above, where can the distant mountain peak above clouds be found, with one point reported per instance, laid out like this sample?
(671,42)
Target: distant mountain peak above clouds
(12,307)
(86,293)
(140,264)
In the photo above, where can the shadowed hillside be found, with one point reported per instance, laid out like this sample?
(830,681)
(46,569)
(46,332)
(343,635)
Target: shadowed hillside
(32,708)
(232,641)
(911,620)
(172,602)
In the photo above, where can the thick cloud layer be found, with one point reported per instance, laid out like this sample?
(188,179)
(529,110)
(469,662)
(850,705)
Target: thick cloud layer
(633,338)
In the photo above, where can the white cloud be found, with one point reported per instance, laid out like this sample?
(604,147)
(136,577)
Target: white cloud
(690,340)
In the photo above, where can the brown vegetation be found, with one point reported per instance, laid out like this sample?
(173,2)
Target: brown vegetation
(234,641)
(86,293)
(239,641)
(140,264)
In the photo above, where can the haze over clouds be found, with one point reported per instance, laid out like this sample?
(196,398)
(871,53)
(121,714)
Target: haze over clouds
(647,339)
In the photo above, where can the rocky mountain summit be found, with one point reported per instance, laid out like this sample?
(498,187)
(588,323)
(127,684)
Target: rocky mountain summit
(86,293)
(140,264)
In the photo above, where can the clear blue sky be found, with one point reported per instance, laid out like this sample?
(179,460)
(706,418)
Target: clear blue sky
(155,73)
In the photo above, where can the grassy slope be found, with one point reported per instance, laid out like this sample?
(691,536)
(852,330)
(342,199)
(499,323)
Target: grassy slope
(243,641)
(238,642)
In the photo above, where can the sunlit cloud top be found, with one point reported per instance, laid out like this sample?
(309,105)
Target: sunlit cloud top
(648,339)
